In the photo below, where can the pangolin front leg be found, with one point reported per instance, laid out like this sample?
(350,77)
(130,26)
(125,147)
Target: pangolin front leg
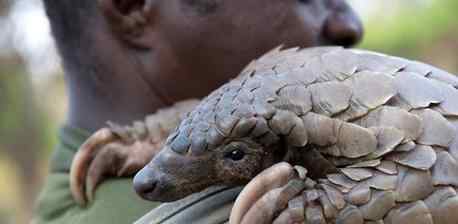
(399,181)
(282,194)
(393,167)
(119,151)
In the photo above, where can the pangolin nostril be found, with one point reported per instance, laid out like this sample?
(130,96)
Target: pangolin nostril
(144,184)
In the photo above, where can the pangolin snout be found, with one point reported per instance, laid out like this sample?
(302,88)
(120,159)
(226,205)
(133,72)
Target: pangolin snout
(162,179)
(146,183)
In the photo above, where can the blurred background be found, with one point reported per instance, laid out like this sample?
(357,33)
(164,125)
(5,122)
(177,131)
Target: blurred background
(32,92)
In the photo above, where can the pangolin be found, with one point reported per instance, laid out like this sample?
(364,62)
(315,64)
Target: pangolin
(376,133)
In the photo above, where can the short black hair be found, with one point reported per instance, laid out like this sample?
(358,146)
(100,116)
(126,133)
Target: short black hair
(70,24)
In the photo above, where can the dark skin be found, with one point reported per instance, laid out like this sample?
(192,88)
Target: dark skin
(154,53)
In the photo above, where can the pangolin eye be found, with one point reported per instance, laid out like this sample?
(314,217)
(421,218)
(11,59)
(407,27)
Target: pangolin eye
(235,155)
(235,151)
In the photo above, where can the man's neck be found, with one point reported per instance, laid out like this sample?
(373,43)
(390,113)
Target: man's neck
(123,102)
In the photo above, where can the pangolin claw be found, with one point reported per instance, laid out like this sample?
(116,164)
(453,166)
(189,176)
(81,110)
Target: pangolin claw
(121,151)
(82,160)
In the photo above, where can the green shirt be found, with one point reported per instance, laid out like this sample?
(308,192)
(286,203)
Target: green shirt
(115,201)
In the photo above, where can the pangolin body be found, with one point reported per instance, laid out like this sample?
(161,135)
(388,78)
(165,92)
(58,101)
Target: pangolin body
(386,125)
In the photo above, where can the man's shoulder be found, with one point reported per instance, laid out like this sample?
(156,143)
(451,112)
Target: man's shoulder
(116,202)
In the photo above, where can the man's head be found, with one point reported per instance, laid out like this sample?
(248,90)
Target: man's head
(178,49)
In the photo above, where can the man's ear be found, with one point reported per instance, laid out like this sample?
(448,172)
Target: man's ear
(131,20)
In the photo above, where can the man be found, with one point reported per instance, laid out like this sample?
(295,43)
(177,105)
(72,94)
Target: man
(125,59)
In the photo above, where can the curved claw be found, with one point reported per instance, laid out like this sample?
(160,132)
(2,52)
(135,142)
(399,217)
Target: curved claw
(99,167)
(272,178)
(273,203)
(294,213)
(80,164)
(117,159)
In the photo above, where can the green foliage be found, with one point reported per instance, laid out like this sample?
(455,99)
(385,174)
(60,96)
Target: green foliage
(411,27)
(10,93)
(20,117)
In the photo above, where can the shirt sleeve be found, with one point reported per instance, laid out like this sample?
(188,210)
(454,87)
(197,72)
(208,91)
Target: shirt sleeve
(212,206)
(115,202)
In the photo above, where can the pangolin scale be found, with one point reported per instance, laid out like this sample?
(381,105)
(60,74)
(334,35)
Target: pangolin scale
(385,126)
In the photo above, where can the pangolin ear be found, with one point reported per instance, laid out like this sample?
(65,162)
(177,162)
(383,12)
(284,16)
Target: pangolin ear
(132,21)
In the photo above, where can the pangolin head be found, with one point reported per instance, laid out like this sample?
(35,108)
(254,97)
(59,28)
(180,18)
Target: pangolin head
(226,141)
